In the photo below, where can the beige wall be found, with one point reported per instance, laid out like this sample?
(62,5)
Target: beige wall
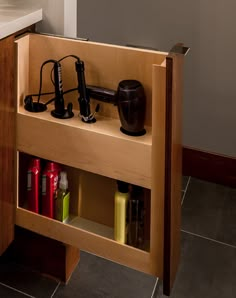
(208,27)
(59,17)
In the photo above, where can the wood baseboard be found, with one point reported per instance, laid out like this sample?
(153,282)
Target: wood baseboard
(209,166)
(42,254)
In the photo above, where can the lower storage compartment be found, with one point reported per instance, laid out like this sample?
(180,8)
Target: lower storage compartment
(90,225)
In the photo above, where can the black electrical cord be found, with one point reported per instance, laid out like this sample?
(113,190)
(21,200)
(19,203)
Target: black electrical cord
(41,79)
(41,75)
(63,58)
(65,92)
(42,94)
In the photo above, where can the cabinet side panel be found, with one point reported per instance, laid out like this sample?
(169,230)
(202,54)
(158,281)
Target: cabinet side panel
(7,124)
(158,169)
(173,170)
(22,58)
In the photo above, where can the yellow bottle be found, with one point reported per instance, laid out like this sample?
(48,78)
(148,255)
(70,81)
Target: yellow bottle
(121,203)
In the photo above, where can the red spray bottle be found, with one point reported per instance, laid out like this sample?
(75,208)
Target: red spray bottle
(49,186)
(33,183)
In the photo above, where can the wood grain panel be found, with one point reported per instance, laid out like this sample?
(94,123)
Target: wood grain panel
(7,141)
(97,202)
(7,155)
(87,241)
(105,65)
(43,254)
(158,169)
(173,172)
(7,138)
(98,148)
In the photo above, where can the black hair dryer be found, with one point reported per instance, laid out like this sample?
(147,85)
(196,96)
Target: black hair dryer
(131,101)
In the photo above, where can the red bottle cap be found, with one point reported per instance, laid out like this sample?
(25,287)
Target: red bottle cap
(51,166)
(35,162)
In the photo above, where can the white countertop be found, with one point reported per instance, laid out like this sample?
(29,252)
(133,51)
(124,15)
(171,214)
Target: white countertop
(16,15)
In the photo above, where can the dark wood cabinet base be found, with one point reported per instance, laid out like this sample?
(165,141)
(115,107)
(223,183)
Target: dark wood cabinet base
(44,255)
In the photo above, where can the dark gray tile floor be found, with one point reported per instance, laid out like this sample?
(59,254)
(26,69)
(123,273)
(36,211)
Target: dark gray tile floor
(207,267)
(24,280)
(210,210)
(97,277)
(8,292)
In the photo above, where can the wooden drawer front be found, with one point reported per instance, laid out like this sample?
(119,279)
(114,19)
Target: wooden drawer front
(85,240)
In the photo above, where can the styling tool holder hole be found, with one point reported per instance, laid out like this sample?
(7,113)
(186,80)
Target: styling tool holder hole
(34,107)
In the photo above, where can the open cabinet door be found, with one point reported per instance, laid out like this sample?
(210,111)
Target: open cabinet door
(173,165)
(7,137)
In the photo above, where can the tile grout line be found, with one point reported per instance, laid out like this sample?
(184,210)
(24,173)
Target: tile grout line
(54,292)
(185,191)
(14,289)
(210,239)
(186,184)
(154,289)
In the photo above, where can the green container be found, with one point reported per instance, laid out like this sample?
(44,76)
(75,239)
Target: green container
(62,204)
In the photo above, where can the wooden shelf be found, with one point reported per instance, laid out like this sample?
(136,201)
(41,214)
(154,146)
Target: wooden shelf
(74,235)
(98,148)
(92,227)
(104,125)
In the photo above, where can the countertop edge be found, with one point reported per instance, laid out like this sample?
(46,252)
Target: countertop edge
(20,23)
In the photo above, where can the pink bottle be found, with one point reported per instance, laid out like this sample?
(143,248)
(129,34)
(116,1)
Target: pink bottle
(49,186)
(33,183)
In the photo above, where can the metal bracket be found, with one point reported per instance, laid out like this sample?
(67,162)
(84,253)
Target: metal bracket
(179,49)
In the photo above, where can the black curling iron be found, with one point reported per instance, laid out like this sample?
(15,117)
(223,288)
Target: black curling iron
(84,96)
(37,106)
(60,111)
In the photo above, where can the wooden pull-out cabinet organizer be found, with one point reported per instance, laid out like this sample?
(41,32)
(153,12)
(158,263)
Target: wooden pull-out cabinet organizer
(96,155)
